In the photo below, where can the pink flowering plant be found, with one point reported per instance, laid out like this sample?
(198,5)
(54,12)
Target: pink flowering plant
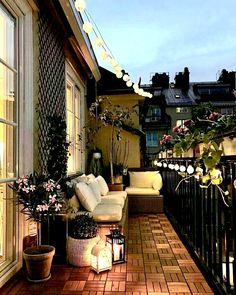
(167,142)
(38,195)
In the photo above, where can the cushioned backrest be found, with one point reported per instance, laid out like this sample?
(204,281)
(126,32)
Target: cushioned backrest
(93,184)
(157,182)
(143,179)
(104,189)
(86,196)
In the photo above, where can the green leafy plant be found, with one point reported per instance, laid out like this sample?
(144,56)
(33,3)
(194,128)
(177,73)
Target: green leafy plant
(83,226)
(207,128)
(58,147)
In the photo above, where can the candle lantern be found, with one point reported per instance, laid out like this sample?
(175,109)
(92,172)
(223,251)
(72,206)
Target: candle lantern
(116,241)
(101,257)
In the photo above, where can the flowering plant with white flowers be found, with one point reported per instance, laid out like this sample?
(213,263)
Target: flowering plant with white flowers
(38,195)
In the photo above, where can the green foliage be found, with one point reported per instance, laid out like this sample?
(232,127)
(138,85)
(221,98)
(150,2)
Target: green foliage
(58,147)
(207,127)
(83,226)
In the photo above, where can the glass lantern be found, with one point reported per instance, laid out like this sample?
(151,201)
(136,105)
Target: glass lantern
(116,242)
(101,259)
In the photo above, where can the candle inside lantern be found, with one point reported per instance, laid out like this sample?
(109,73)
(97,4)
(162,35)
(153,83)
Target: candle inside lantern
(116,252)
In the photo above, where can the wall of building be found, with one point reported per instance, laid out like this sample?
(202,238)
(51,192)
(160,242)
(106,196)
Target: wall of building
(129,146)
(171,111)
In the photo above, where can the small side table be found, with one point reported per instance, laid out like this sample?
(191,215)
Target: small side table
(116,186)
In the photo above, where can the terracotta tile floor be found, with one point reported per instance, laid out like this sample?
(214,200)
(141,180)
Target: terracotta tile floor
(157,263)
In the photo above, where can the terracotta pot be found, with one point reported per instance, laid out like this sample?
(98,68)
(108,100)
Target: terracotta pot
(118,179)
(38,262)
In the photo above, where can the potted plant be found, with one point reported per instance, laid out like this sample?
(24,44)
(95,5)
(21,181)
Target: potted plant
(114,116)
(82,238)
(38,197)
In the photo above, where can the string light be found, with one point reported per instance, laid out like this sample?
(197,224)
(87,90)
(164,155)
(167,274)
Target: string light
(88,27)
(98,41)
(182,168)
(190,169)
(80,5)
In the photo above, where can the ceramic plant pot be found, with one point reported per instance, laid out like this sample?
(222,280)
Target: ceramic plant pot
(38,261)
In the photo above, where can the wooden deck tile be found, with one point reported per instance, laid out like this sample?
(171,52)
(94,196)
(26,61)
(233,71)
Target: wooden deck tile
(157,287)
(178,287)
(157,263)
(136,287)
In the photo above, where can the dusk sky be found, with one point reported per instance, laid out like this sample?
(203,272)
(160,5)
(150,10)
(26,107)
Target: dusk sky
(148,36)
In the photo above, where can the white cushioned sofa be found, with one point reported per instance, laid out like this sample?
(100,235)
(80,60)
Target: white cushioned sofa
(109,208)
(144,191)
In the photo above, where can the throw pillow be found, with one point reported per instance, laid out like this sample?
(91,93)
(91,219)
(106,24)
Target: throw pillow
(103,185)
(157,182)
(142,179)
(86,196)
(96,189)
(91,176)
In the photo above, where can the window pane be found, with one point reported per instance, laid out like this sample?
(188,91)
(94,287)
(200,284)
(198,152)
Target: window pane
(7,155)
(69,97)
(7,36)
(7,93)
(77,99)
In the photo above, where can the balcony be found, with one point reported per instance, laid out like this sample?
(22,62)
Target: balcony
(160,122)
(157,263)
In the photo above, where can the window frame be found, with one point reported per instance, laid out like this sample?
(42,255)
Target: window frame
(153,142)
(74,80)
(22,12)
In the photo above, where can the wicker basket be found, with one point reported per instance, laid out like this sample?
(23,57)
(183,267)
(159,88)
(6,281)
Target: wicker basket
(79,250)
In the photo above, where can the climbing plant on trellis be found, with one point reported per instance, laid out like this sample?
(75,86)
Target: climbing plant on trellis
(51,83)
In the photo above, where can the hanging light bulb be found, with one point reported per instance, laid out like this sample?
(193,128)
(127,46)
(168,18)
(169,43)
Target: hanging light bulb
(104,55)
(172,166)
(119,75)
(190,169)
(87,27)
(176,167)
(114,62)
(155,162)
(129,83)
(135,86)
(118,68)
(136,90)
(80,5)
(165,165)
(159,164)
(182,168)
(98,41)
(141,91)
(126,78)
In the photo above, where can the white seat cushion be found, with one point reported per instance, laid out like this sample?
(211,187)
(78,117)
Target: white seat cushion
(107,212)
(113,200)
(118,194)
(142,191)
(86,196)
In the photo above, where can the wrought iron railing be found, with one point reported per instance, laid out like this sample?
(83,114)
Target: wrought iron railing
(206,221)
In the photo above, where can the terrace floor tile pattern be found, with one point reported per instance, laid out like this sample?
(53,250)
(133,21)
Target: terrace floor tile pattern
(157,264)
